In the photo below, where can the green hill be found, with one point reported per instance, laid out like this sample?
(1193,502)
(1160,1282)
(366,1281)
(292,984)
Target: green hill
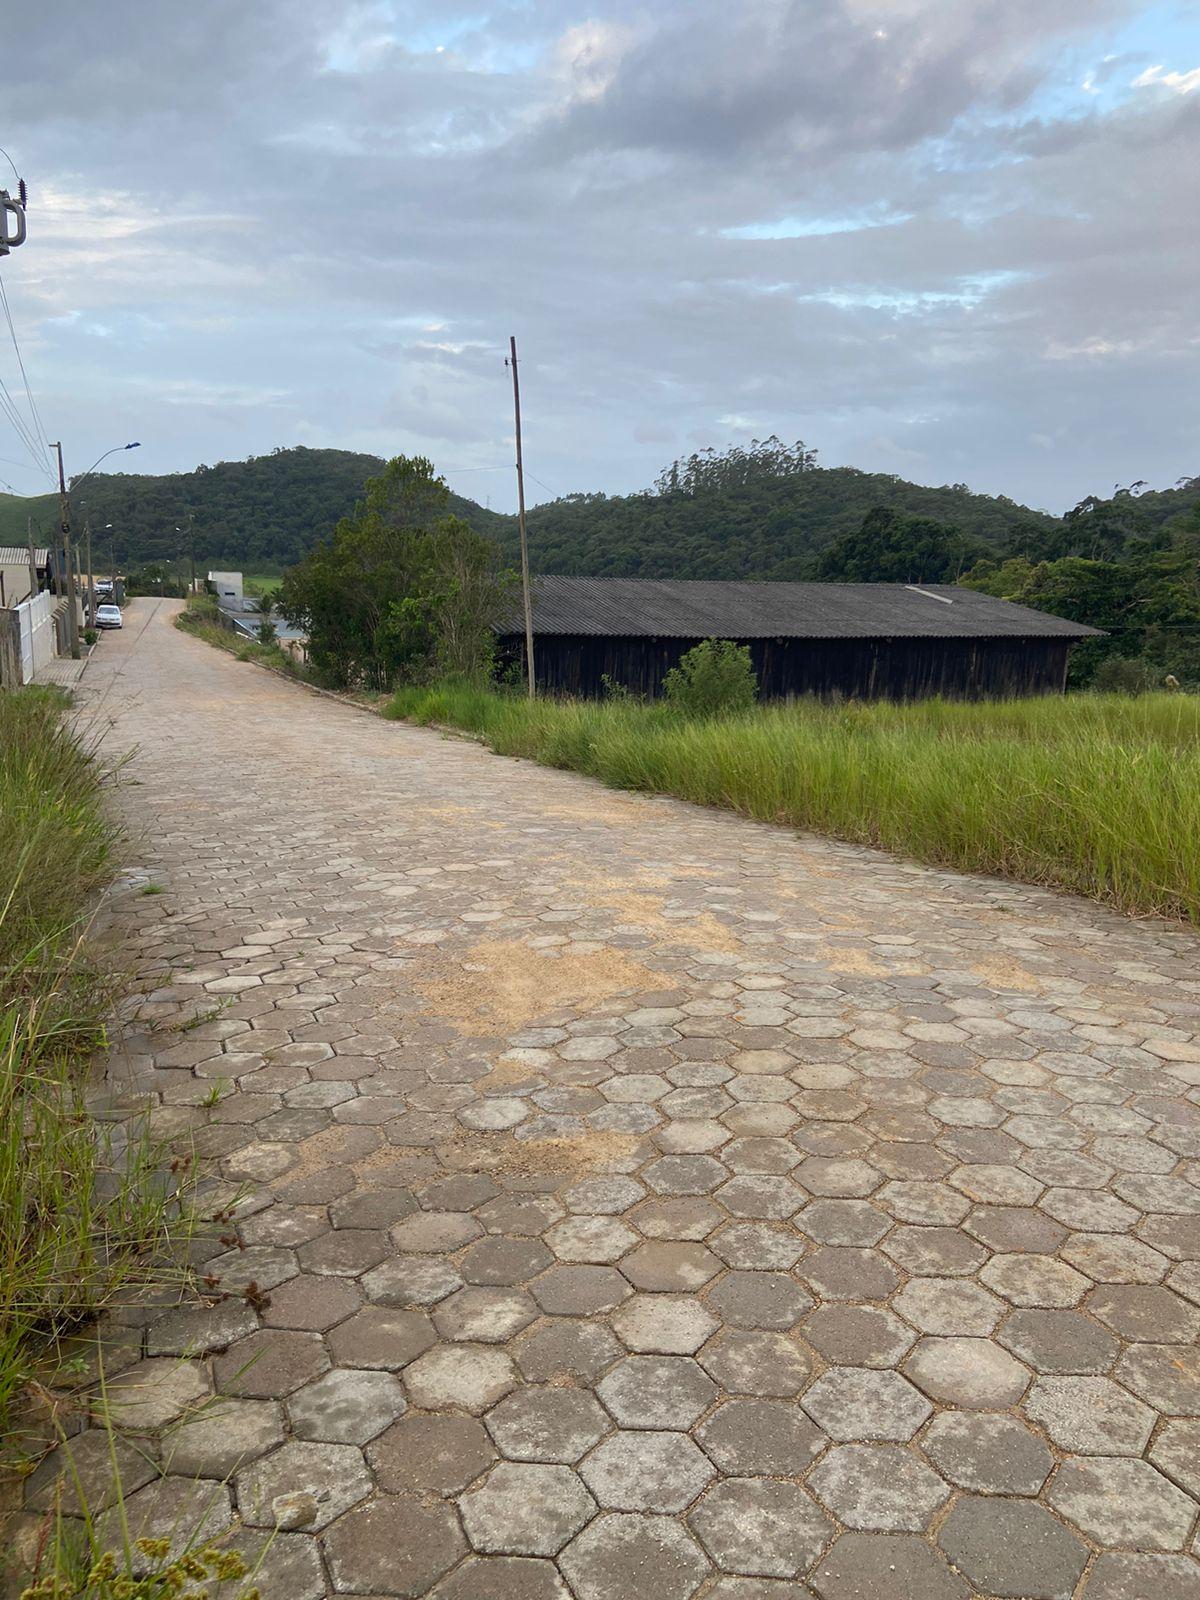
(259,514)
(17,509)
(765,512)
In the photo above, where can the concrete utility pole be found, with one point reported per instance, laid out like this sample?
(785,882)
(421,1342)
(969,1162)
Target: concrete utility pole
(33,577)
(529,673)
(64,511)
(91,587)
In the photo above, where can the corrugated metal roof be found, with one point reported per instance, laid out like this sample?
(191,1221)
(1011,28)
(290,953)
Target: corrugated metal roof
(17,555)
(673,608)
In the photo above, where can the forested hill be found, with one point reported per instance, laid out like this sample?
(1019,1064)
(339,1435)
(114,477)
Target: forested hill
(769,529)
(765,512)
(261,514)
(760,513)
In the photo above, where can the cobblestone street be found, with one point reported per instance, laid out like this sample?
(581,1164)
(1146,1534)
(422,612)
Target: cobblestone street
(642,1203)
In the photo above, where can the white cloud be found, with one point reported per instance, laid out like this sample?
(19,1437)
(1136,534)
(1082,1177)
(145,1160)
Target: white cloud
(1178,82)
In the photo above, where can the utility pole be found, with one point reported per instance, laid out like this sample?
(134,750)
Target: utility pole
(512,345)
(64,511)
(33,577)
(91,587)
(192,546)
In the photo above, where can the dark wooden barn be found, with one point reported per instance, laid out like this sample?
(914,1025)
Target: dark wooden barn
(868,640)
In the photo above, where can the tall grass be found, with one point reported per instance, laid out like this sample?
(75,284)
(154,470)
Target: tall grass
(1095,794)
(82,1206)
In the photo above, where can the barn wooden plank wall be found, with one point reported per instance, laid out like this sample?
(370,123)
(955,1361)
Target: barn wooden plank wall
(896,669)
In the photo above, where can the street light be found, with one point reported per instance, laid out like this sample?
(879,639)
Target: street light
(116,449)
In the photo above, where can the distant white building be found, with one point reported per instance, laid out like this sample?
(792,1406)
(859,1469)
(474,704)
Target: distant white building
(228,586)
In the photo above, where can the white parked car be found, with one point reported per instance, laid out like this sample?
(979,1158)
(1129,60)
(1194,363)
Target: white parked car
(108,617)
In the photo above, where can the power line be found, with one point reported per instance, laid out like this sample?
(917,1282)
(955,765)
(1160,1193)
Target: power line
(33,410)
(8,408)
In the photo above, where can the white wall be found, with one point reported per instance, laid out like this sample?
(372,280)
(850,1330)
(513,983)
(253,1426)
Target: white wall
(36,622)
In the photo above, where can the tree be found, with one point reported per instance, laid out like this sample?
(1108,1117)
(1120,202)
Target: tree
(402,588)
(890,547)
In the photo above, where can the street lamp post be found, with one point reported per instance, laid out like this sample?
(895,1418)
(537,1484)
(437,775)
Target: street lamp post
(64,505)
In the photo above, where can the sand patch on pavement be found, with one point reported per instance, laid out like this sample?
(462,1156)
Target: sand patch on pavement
(999,973)
(500,1152)
(503,985)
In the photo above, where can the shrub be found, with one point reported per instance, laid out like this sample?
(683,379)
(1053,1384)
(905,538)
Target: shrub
(1122,675)
(713,678)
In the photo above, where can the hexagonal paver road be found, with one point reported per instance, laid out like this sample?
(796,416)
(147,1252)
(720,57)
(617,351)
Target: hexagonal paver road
(634,1199)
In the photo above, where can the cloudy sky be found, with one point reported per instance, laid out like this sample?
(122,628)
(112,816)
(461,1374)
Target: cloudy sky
(952,239)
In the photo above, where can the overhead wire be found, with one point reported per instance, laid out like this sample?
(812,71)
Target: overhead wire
(43,441)
(9,408)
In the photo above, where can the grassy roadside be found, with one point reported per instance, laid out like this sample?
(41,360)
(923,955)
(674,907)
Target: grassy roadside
(198,618)
(1095,794)
(83,1208)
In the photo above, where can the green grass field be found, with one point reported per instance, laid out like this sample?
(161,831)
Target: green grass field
(1091,793)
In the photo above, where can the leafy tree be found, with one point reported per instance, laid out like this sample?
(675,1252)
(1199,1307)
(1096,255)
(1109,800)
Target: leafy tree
(890,547)
(712,678)
(402,588)
(1145,594)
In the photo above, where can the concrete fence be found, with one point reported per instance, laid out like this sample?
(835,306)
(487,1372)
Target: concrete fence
(30,637)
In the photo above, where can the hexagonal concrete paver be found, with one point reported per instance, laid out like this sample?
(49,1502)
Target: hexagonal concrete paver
(525,1509)
(431,1454)
(664,1324)
(155,1393)
(656,1392)
(214,1441)
(1124,1503)
(547,1424)
(1062,1343)
(879,1488)
(1092,1416)
(346,1407)
(327,1478)
(989,1454)
(761,1526)
(1176,1451)
(393,1545)
(974,1374)
(90,1470)
(183,1511)
(1134,1577)
(1013,1549)
(468,1377)
(858,1403)
(863,1566)
(746,1437)
(646,1471)
(616,1555)
(746,1362)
